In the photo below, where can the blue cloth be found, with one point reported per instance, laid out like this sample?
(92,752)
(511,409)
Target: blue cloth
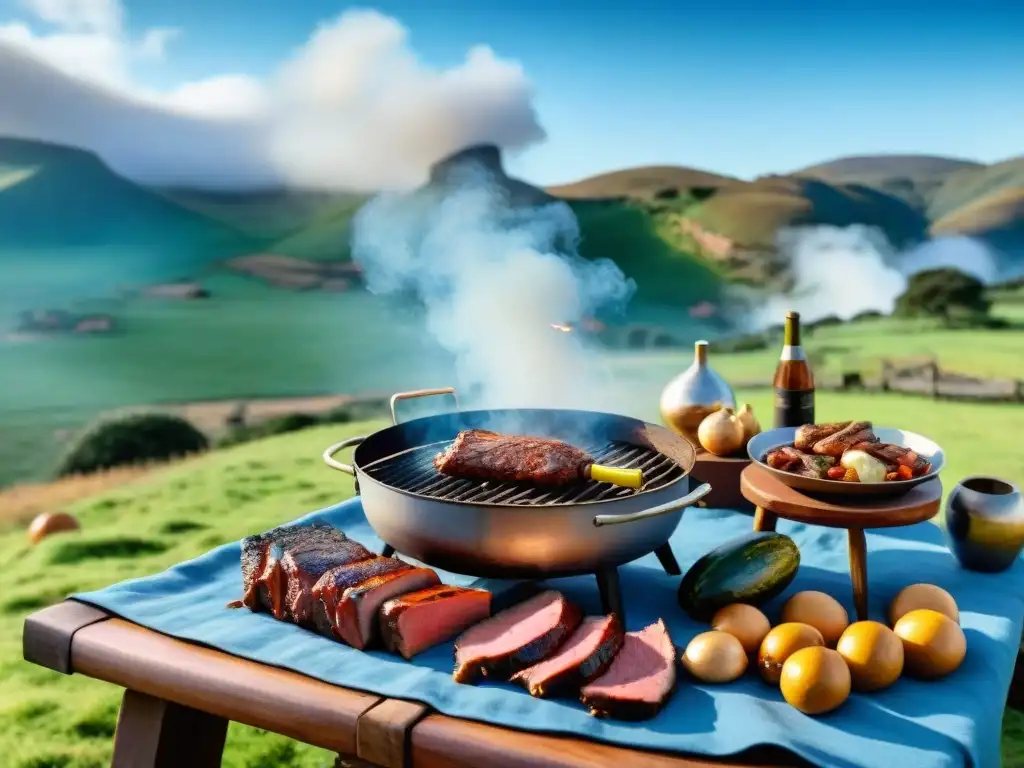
(951,722)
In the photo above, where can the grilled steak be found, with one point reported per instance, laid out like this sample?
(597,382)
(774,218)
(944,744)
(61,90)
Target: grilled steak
(516,638)
(420,620)
(639,680)
(809,434)
(351,594)
(585,656)
(486,455)
(263,582)
(837,444)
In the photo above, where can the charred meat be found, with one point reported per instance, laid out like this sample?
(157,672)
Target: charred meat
(809,434)
(517,638)
(486,455)
(848,451)
(640,679)
(350,596)
(303,565)
(585,656)
(800,463)
(264,580)
(420,620)
(836,444)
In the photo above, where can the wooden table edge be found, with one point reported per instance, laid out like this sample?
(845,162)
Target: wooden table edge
(390,732)
(47,635)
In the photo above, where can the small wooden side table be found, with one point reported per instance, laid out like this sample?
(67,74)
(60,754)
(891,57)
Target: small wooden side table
(775,499)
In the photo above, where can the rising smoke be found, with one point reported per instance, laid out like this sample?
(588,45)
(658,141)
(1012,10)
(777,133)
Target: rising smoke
(353,108)
(844,271)
(492,281)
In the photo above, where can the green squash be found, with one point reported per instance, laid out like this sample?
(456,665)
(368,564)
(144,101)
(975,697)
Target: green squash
(752,568)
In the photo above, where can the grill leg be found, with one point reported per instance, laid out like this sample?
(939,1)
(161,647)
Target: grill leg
(668,560)
(388,551)
(611,593)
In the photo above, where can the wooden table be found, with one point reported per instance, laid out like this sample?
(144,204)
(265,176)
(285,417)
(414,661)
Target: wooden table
(179,698)
(774,499)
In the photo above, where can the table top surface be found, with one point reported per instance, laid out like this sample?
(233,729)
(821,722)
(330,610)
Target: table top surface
(72,637)
(767,491)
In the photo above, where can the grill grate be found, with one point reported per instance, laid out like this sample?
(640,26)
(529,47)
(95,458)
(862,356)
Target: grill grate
(413,471)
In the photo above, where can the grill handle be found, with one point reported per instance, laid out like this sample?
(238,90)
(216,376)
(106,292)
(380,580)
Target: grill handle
(688,500)
(333,463)
(395,398)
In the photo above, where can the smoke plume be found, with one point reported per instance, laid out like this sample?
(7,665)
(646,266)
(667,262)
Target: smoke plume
(844,271)
(352,108)
(493,280)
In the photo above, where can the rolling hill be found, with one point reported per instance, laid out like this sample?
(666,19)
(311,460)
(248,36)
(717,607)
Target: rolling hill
(678,231)
(70,226)
(644,182)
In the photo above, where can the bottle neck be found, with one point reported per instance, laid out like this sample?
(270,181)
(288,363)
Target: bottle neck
(700,353)
(792,332)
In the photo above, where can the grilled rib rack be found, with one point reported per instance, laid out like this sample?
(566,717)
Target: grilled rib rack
(413,471)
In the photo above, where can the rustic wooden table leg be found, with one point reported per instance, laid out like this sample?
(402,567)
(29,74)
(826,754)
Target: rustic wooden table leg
(859,571)
(152,733)
(764,520)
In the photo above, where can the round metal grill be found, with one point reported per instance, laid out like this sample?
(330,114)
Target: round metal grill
(413,471)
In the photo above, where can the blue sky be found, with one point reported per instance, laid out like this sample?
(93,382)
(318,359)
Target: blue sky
(737,87)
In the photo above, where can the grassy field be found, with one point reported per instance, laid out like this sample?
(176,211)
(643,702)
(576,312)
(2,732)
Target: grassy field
(147,524)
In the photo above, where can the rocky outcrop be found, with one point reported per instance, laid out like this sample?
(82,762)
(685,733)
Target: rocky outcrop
(483,163)
(185,291)
(299,274)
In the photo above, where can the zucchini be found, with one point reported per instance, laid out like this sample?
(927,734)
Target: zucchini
(752,568)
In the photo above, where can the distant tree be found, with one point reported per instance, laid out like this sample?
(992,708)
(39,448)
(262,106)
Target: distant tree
(943,293)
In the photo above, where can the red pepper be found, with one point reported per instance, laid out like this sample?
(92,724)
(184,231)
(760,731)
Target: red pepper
(904,472)
(836,473)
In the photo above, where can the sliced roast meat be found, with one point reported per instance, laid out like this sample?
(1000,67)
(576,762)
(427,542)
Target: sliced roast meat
(640,679)
(516,638)
(420,620)
(263,583)
(583,658)
(302,566)
(350,596)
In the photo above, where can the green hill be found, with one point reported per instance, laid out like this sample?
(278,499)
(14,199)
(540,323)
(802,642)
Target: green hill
(751,213)
(643,182)
(70,226)
(65,217)
(964,187)
(53,196)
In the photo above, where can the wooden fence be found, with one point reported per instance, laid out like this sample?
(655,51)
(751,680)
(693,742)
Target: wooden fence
(926,379)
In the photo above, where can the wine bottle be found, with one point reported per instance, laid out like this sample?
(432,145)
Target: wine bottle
(794,382)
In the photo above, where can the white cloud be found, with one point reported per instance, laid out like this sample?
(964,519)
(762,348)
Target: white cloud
(353,107)
(153,44)
(99,16)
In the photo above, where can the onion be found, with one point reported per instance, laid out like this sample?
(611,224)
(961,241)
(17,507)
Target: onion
(747,418)
(721,433)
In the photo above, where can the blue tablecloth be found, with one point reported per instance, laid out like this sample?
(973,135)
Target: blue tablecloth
(951,722)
